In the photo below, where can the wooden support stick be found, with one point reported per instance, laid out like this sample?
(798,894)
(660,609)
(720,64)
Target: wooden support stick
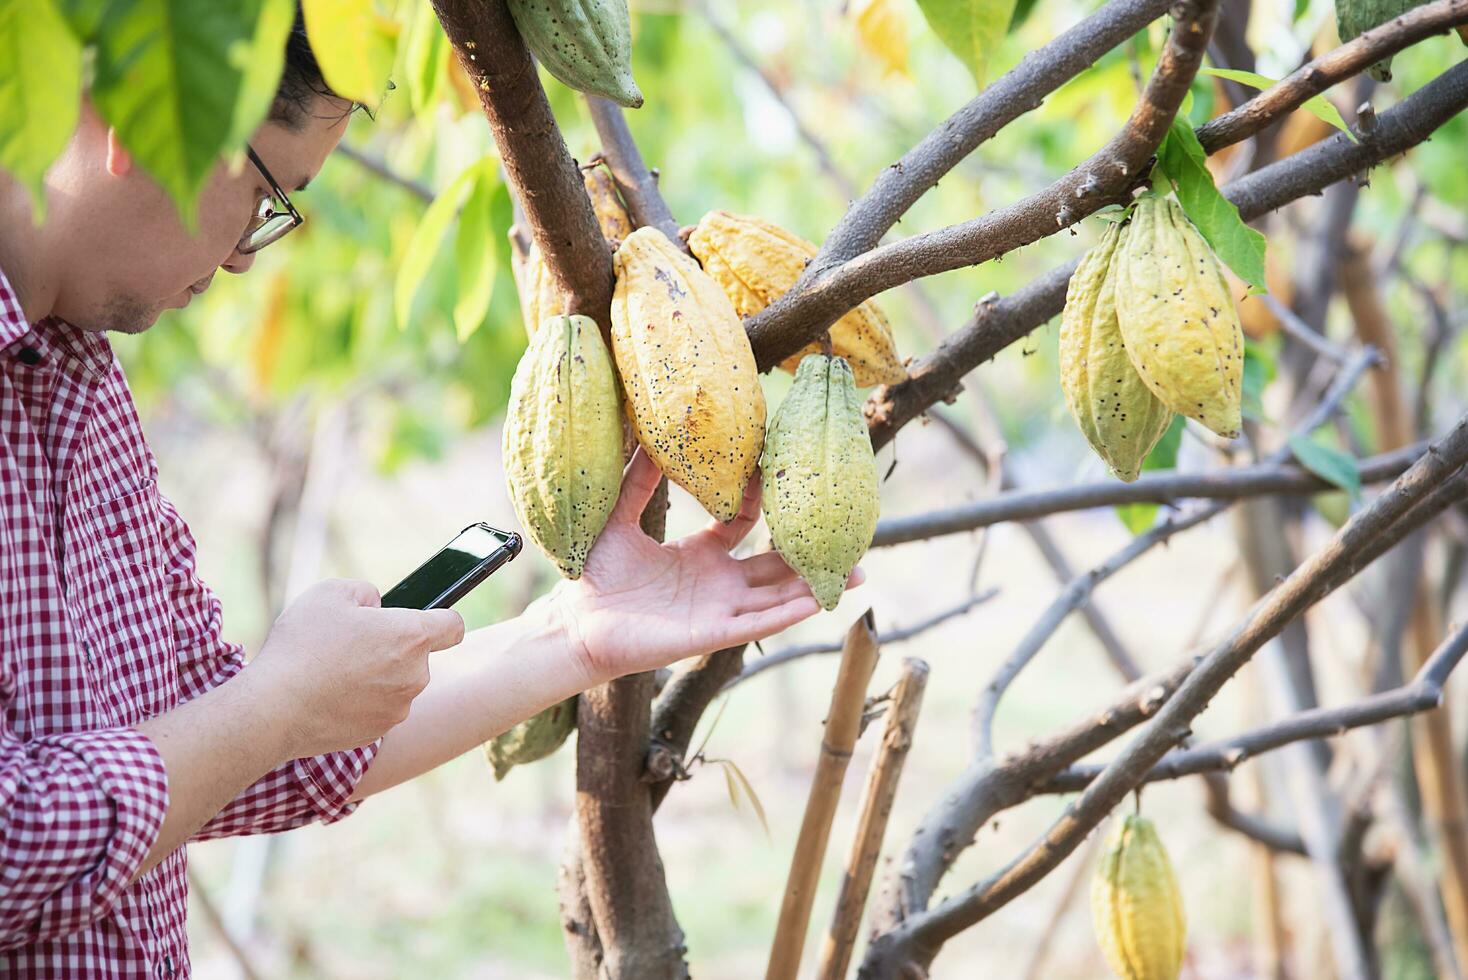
(843,725)
(866,846)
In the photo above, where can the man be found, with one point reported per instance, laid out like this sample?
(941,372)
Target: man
(128,726)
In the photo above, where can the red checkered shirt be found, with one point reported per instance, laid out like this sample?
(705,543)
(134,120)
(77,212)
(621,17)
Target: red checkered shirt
(104,623)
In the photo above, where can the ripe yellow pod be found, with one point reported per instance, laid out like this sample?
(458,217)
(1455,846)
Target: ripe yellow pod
(1136,908)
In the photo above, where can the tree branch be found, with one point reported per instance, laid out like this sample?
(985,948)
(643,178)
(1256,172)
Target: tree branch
(1423,694)
(786,325)
(1160,487)
(999,323)
(537,163)
(639,188)
(1334,66)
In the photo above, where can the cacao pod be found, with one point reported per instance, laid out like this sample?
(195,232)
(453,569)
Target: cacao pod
(1355,17)
(610,213)
(756,262)
(820,477)
(533,739)
(1136,908)
(1177,316)
(563,440)
(586,44)
(1116,411)
(692,388)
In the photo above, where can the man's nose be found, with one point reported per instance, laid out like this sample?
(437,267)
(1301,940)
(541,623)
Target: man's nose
(239,262)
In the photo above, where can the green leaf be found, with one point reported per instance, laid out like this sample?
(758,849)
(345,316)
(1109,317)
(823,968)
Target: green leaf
(1022,11)
(167,80)
(354,45)
(1328,463)
(1319,105)
(971,29)
(1240,247)
(424,60)
(40,92)
(84,16)
(1140,517)
(423,246)
(260,64)
(474,255)
(1301,6)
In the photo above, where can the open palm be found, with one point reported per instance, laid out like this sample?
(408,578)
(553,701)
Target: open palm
(641,604)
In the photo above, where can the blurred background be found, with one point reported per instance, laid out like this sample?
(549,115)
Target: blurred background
(336,413)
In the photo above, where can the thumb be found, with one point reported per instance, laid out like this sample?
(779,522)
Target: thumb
(639,483)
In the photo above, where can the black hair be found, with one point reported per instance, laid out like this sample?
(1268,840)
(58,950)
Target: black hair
(301,81)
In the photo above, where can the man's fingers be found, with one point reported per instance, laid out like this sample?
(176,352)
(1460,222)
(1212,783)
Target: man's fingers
(359,592)
(639,482)
(738,529)
(766,568)
(752,626)
(768,596)
(445,628)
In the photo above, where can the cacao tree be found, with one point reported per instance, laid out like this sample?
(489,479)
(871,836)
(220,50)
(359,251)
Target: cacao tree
(1249,166)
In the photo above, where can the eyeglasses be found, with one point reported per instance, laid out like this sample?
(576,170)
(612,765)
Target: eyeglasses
(268,223)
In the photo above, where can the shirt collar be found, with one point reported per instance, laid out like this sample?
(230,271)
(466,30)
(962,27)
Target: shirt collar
(88,348)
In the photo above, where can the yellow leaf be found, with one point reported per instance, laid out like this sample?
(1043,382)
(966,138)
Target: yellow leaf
(881,26)
(354,45)
(271,333)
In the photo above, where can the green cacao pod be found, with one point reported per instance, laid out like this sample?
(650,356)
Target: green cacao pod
(533,739)
(563,440)
(1116,411)
(1177,316)
(1136,908)
(820,477)
(1355,17)
(585,43)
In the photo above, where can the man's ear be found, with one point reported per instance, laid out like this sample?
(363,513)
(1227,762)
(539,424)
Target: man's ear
(119,161)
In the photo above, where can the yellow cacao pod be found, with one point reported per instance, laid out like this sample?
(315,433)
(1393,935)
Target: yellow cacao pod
(692,388)
(533,739)
(1136,908)
(756,262)
(820,477)
(1116,411)
(563,440)
(1177,316)
(610,214)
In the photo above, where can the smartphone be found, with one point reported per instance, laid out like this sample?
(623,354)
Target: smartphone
(476,554)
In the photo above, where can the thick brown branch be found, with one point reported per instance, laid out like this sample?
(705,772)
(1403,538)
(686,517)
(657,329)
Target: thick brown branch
(539,167)
(997,324)
(1160,487)
(787,325)
(1334,66)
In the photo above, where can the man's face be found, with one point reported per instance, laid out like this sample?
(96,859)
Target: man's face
(140,260)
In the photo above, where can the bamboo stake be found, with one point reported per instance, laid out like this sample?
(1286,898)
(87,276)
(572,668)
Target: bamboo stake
(866,846)
(843,725)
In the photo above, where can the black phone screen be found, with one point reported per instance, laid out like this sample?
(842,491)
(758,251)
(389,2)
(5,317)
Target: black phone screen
(449,575)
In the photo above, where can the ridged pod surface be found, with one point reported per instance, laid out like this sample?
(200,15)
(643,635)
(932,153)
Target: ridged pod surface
(1136,908)
(563,440)
(692,388)
(756,262)
(585,43)
(533,739)
(1177,316)
(1116,411)
(820,477)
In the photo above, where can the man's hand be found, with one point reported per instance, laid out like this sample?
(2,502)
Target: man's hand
(346,669)
(640,605)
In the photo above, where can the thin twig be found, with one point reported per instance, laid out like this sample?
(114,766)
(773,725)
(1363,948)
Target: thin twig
(379,167)
(843,725)
(871,827)
(1299,330)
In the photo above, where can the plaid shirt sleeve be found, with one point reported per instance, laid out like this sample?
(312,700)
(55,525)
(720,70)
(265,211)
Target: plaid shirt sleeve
(298,792)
